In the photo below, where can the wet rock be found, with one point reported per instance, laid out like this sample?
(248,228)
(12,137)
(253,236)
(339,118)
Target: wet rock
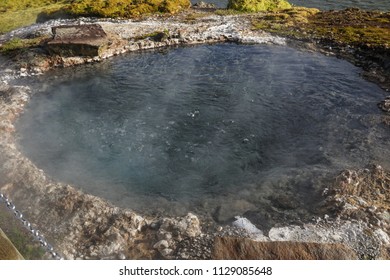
(259,218)
(231,208)
(385,105)
(284,202)
(6,91)
(227,248)
(160,36)
(78,40)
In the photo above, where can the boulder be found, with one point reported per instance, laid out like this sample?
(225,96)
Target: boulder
(78,40)
(229,248)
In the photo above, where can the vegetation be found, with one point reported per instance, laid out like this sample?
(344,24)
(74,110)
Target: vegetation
(346,27)
(258,5)
(14,5)
(20,45)
(18,13)
(20,238)
(126,8)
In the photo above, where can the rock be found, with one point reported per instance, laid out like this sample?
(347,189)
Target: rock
(189,226)
(166,252)
(78,40)
(204,5)
(231,208)
(160,36)
(257,5)
(385,105)
(227,248)
(245,224)
(260,219)
(198,248)
(361,195)
(162,244)
(284,202)
(385,254)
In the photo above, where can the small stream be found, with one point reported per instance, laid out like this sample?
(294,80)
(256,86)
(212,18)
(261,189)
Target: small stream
(220,130)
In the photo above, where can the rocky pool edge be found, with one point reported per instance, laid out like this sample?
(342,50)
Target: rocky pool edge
(83,226)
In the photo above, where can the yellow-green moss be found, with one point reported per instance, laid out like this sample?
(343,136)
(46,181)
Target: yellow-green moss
(13,17)
(258,5)
(18,13)
(153,35)
(349,27)
(228,12)
(17,44)
(126,8)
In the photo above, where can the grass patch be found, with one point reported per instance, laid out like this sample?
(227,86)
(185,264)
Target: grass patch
(258,5)
(20,45)
(348,27)
(18,235)
(126,8)
(228,12)
(11,19)
(19,13)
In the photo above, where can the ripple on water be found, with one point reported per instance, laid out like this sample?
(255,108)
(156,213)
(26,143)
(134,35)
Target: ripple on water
(222,130)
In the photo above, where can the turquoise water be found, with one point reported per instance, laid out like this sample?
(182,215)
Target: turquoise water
(205,128)
(383,5)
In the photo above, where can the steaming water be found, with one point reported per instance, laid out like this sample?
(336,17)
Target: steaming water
(222,129)
(383,5)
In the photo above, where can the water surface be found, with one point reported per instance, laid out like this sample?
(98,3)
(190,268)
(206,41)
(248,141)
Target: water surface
(220,130)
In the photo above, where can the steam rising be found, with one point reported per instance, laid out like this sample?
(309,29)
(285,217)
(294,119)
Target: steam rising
(196,127)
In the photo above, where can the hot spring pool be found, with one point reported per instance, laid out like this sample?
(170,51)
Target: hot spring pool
(220,130)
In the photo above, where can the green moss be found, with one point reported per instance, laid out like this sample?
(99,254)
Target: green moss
(152,35)
(174,6)
(227,12)
(27,247)
(17,44)
(18,13)
(126,8)
(258,5)
(348,27)
(20,237)
(284,22)
(15,5)
(13,18)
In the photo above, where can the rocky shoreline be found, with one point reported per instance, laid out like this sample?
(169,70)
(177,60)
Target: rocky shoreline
(354,212)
